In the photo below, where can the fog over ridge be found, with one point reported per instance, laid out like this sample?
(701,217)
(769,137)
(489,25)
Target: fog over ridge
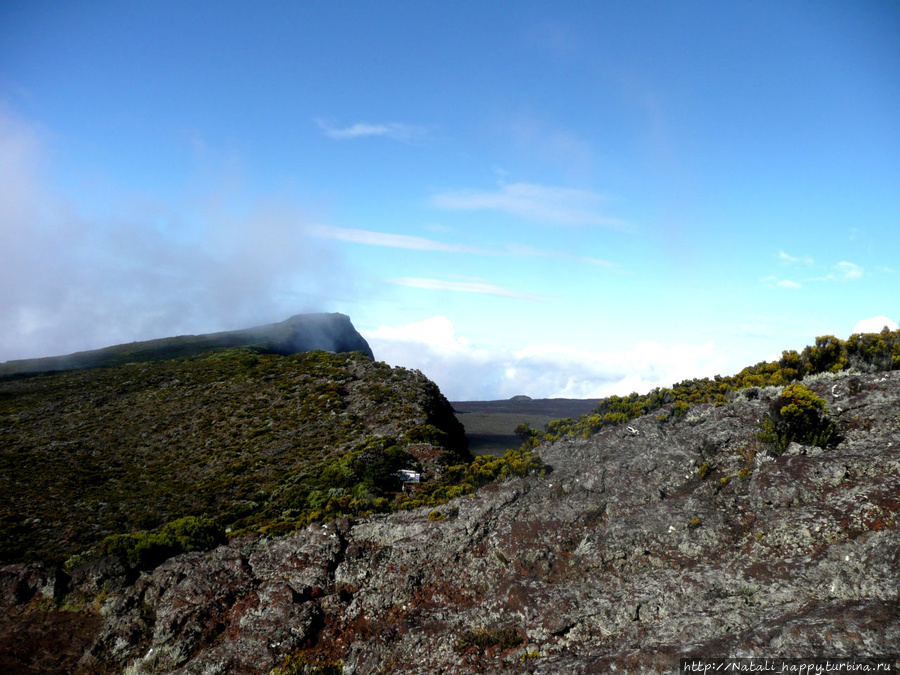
(73,282)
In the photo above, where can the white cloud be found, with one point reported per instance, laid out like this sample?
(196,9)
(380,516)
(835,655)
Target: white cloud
(843,271)
(466,372)
(478,286)
(775,282)
(388,240)
(806,260)
(564,206)
(533,252)
(787,283)
(405,133)
(402,241)
(874,325)
(848,270)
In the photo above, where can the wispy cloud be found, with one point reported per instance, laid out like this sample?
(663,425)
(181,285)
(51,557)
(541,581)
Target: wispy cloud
(775,282)
(405,133)
(403,241)
(551,144)
(843,271)
(389,240)
(565,206)
(476,286)
(532,252)
(784,257)
(848,270)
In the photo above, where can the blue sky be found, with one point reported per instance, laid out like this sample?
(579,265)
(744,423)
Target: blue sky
(573,199)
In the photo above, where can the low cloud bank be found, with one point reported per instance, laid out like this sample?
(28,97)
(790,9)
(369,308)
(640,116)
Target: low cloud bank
(466,372)
(875,325)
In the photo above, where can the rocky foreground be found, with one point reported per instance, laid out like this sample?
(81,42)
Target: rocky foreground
(671,536)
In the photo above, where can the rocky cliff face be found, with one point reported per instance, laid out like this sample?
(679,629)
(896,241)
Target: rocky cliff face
(670,537)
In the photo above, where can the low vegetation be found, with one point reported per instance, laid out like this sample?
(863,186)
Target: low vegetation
(482,639)
(798,418)
(297,664)
(147,460)
(144,550)
(465,479)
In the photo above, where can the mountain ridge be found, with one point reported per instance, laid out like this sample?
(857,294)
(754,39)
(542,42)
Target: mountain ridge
(332,332)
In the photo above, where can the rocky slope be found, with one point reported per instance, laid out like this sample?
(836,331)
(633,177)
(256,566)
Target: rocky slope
(667,537)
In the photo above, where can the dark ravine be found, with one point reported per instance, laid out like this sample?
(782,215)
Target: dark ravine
(490,425)
(623,558)
(300,333)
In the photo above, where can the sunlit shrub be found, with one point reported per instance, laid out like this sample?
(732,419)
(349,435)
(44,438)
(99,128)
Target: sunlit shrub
(798,415)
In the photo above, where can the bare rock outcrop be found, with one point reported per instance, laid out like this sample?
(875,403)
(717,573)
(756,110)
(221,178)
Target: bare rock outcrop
(671,537)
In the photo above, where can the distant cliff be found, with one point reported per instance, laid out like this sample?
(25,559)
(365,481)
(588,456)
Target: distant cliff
(300,333)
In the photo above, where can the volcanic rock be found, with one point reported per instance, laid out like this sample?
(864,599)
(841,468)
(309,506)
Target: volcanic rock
(623,557)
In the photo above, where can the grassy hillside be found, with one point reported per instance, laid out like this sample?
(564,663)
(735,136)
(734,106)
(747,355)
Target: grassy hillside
(250,440)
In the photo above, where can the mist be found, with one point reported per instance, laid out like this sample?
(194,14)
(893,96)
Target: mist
(217,259)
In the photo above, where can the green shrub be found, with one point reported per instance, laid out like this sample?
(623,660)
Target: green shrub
(146,550)
(827,355)
(463,479)
(798,415)
(874,351)
(427,433)
(194,534)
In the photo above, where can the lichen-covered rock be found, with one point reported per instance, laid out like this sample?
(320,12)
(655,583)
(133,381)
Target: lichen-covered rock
(681,536)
